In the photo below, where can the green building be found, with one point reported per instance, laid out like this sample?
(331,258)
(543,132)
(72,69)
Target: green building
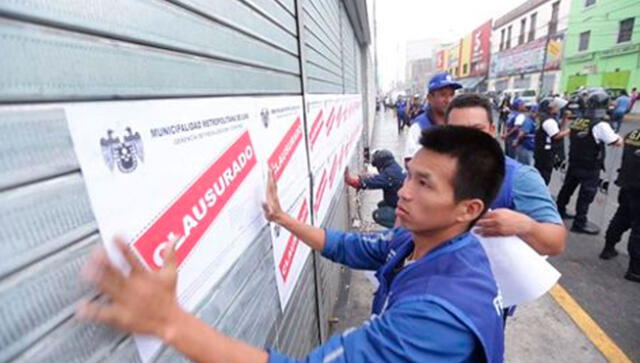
(602,46)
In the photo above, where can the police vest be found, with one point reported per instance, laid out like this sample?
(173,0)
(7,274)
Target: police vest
(457,278)
(629,176)
(584,151)
(505,196)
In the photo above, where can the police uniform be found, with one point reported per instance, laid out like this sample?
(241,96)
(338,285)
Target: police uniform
(627,215)
(547,151)
(588,137)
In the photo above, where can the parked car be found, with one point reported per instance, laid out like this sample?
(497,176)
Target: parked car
(528,95)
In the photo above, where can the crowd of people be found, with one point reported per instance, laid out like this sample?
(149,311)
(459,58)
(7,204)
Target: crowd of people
(437,299)
(533,136)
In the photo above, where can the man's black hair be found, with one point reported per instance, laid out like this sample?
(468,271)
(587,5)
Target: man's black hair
(479,161)
(624,92)
(467,100)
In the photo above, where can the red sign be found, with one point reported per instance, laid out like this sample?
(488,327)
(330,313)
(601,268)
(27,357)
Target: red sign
(280,158)
(315,129)
(480,50)
(292,244)
(320,192)
(332,118)
(193,211)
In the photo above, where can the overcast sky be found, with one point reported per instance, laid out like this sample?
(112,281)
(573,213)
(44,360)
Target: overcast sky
(447,20)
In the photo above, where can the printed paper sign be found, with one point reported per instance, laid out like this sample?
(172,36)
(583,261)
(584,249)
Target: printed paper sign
(337,122)
(282,144)
(186,170)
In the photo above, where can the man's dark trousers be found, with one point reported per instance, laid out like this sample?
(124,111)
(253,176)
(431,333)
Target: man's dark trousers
(588,180)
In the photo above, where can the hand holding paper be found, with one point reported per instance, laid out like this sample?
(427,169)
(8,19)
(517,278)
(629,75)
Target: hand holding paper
(521,273)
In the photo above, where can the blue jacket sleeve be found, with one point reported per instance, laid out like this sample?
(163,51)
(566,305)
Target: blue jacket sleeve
(386,179)
(365,251)
(378,181)
(416,330)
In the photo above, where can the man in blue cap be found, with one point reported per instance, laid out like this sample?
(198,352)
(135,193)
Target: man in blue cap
(441,89)
(524,142)
(515,119)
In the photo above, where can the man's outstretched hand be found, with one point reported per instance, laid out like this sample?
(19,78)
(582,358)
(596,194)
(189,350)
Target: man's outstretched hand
(352,181)
(272,210)
(142,302)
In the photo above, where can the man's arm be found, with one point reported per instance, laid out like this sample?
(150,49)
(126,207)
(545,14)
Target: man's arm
(312,236)
(144,302)
(356,250)
(535,218)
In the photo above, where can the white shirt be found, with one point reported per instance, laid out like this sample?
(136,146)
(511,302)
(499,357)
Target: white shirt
(550,126)
(519,120)
(603,132)
(412,143)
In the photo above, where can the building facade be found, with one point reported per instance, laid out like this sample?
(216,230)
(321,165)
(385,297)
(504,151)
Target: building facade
(419,64)
(602,45)
(526,47)
(467,59)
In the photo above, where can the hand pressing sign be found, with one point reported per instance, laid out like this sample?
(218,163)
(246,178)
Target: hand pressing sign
(145,302)
(142,302)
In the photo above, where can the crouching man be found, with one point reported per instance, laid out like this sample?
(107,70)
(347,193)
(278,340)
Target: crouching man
(437,300)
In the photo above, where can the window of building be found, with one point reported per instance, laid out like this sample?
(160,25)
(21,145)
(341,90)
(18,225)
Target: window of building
(584,41)
(532,27)
(508,42)
(502,39)
(464,68)
(523,27)
(553,23)
(589,3)
(626,30)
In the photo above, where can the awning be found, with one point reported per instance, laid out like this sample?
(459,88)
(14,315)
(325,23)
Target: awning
(471,82)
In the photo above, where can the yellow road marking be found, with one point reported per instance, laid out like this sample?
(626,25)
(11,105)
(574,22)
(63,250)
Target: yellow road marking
(589,327)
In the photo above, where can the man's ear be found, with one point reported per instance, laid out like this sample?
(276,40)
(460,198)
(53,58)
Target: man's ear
(469,210)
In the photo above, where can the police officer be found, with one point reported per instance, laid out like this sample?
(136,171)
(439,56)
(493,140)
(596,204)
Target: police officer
(628,214)
(549,138)
(441,89)
(389,178)
(588,137)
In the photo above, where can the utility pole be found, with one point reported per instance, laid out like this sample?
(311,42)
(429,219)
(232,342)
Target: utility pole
(544,61)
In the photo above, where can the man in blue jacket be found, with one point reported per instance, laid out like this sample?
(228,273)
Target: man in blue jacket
(401,112)
(389,178)
(524,207)
(441,89)
(437,300)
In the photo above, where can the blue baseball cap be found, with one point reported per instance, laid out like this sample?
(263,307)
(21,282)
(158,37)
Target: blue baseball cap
(517,103)
(442,80)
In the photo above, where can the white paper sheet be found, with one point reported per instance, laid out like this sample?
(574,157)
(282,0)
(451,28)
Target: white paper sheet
(521,273)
